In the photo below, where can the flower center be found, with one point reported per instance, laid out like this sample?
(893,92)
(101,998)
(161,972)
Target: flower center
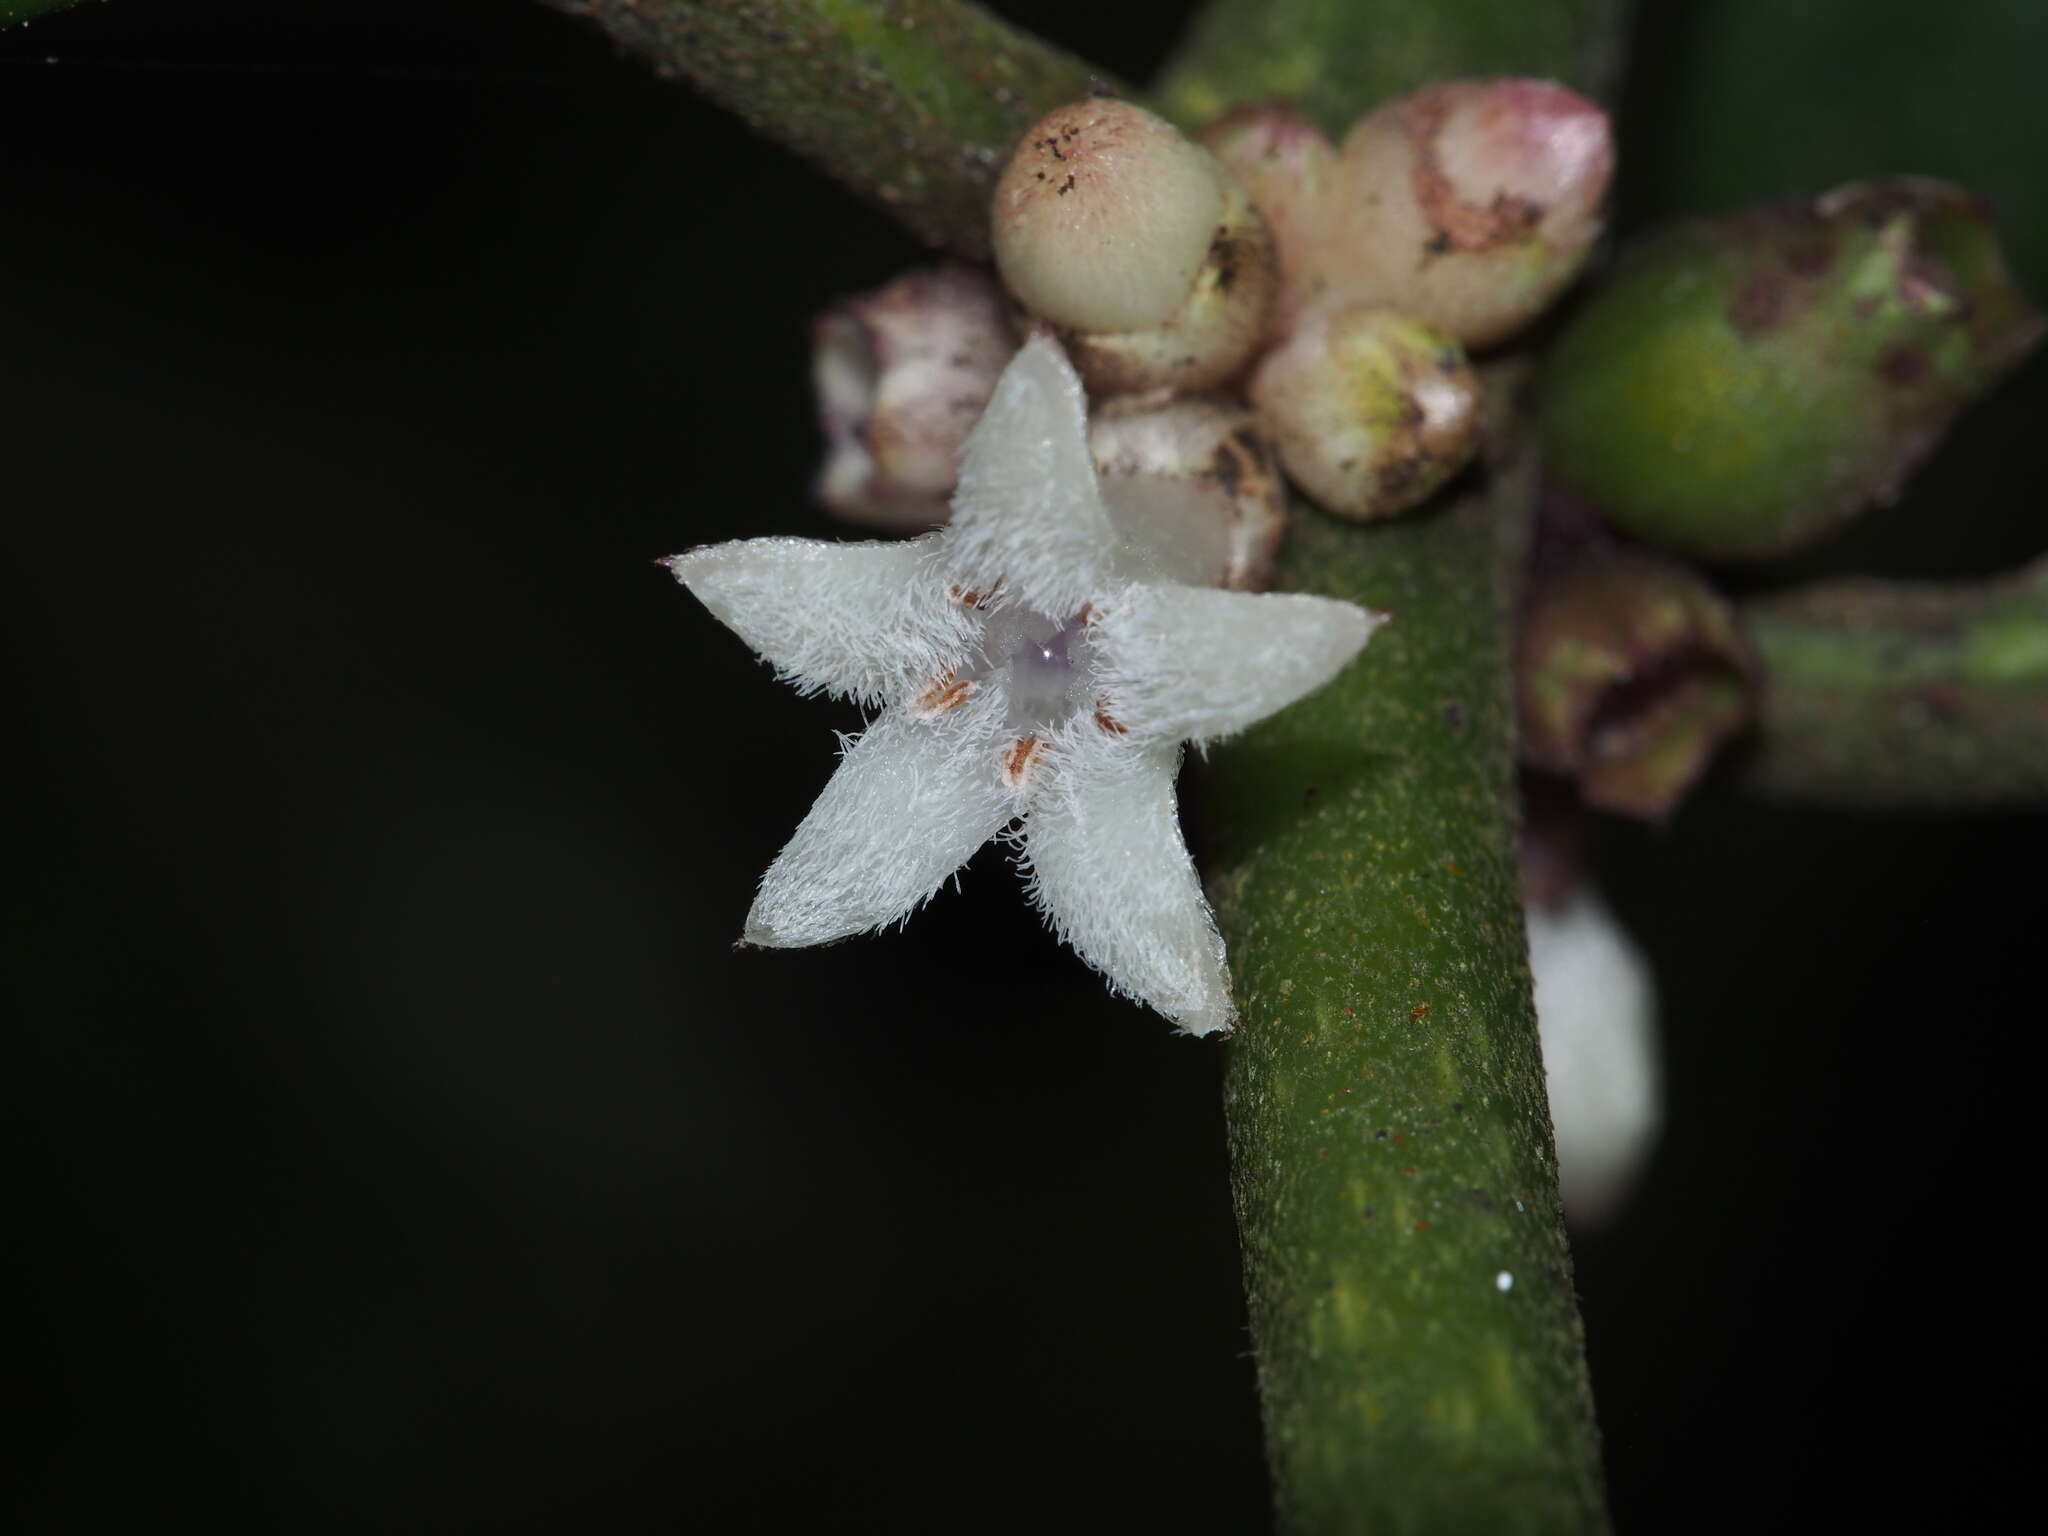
(1048,662)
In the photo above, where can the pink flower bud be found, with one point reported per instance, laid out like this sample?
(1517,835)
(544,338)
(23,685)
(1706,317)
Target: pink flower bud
(1287,165)
(902,374)
(1469,204)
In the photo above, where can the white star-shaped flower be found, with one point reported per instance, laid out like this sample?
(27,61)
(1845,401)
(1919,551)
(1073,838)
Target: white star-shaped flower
(1036,664)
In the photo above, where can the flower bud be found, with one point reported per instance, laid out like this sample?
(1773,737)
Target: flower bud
(1135,244)
(1287,166)
(1596,1013)
(1369,410)
(1632,674)
(1742,387)
(902,374)
(1469,204)
(1191,487)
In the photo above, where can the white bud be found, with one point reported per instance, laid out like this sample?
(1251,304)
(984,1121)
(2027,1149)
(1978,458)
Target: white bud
(1596,1010)
(1104,215)
(1193,483)
(902,374)
(1137,247)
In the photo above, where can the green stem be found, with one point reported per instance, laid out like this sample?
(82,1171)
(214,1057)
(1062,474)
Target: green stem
(914,104)
(1390,1132)
(1336,58)
(1885,694)
(1420,1353)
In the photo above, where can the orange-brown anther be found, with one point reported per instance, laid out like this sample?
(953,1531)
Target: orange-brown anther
(1020,760)
(942,694)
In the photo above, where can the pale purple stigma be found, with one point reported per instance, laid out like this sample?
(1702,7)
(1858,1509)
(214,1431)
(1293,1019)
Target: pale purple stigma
(1048,678)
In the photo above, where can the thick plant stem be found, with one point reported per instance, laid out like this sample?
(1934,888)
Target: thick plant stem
(912,103)
(1891,695)
(1336,58)
(1420,1355)
(1412,1309)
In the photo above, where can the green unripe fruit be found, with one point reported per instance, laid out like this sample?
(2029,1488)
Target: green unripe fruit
(1742,387)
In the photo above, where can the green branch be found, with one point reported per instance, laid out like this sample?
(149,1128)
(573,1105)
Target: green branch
(1336,58)
(1411,1290)
(1884,694)
(1418,1339)
(914,104)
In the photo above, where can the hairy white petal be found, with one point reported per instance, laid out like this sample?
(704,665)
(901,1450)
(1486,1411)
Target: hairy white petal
(1111,874)
(870,621)
(1192,664)
(1028,515)
(1168,530)
(911,801)
(1596,1009)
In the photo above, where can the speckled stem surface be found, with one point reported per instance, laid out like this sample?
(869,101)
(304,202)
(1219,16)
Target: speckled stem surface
(1417,1335)
(1336,58)
(1420,1356)
(914,104)
(1888,695)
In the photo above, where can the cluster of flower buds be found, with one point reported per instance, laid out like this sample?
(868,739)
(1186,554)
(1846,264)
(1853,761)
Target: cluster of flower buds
(1335,290)
(1448,219)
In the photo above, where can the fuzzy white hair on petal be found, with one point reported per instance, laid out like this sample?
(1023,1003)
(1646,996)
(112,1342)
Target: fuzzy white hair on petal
(1029,512)
(1021,665)
(1111,873)
(1193,664)
(866,621)
(910,802)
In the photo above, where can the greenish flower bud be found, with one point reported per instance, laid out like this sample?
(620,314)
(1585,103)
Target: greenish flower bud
(1369,410)
(1632,673)
(1742,387)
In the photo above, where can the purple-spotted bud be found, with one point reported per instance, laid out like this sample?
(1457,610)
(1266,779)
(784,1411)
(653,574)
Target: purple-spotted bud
(1136,245)
(902,374)
(1469,204)
(1741,387)
(1633,672)
(1287,166)
(1192,485)
(1369,410)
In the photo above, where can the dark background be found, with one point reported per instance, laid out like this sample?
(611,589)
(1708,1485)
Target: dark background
(402,1145)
